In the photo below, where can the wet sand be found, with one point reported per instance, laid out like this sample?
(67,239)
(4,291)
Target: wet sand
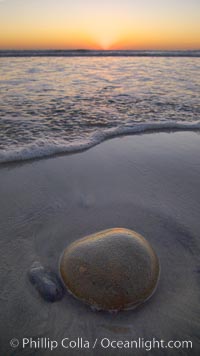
(149,183)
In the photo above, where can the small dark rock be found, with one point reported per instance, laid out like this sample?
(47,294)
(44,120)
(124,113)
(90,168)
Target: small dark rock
(46,282)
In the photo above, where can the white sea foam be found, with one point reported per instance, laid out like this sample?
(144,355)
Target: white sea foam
(60,105)
(49,147)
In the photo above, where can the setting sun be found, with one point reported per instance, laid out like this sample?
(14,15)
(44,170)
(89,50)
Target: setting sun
(143,24)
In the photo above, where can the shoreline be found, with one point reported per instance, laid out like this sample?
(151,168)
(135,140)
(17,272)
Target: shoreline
(33,152)
(148,183)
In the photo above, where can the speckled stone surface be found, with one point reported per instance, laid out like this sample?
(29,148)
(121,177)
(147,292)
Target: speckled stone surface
(113,269)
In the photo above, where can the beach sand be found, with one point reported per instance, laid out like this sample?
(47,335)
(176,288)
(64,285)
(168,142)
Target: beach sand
(149,183)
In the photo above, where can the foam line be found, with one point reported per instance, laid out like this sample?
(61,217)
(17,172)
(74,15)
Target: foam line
(49,147)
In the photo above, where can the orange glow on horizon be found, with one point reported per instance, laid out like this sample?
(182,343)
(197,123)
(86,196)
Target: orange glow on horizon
(61,24)
(83,41)
(134,41)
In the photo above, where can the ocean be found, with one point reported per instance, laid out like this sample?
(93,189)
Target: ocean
(56,104)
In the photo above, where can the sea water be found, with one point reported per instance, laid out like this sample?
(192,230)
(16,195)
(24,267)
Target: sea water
(61,104)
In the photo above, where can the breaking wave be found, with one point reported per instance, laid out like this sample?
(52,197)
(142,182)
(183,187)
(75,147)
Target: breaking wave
(50,147)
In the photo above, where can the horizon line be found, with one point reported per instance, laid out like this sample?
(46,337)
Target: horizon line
(101,50)
(84,52)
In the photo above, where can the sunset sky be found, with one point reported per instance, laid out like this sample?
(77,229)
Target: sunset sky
(104,24)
